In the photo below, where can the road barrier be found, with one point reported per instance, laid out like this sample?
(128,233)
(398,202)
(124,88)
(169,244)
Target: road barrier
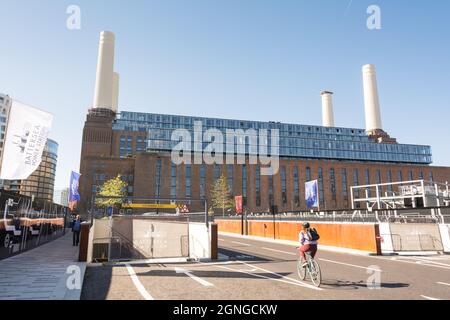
(357,236)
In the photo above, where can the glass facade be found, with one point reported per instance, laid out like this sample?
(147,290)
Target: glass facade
(41,183)
(298,141)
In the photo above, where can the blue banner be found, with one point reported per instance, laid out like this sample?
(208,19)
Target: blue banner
(74,195)
(312,194)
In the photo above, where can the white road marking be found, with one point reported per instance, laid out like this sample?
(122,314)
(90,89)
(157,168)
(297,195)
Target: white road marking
(443,283)
(300,284)
(284,277)
(144,293)
(195,278)
(417,264)
(430,298)
(285,252)
(241,243)
(215,263)
(349,265)
(421,260)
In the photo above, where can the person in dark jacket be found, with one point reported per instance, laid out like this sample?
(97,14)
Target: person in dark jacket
(76,228)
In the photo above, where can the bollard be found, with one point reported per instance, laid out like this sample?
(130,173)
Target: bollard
(214,241)
(84,241)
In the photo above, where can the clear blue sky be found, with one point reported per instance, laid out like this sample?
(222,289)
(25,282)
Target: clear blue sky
(249,59)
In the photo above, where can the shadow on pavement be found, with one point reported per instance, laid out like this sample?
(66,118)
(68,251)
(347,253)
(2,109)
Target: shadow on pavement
(214,274)
(244,256)
(97,282)
(351,285)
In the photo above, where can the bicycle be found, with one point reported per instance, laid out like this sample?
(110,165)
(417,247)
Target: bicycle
(312,267)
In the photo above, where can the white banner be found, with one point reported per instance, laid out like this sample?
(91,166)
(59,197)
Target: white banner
(26,136)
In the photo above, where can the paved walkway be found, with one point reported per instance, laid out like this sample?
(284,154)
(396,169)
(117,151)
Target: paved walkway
(40,274)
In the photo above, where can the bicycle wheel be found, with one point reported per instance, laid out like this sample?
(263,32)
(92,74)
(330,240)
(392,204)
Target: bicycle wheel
(315,273)
(301,270)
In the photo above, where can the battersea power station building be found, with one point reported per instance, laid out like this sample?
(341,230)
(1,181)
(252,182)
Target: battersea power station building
(146,149)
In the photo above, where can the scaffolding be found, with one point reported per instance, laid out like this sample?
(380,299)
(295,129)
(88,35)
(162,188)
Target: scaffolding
(415,194)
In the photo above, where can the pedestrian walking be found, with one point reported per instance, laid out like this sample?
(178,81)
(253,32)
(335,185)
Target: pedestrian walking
(76,228)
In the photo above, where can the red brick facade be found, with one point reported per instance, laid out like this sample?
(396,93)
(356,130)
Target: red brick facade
(100,161)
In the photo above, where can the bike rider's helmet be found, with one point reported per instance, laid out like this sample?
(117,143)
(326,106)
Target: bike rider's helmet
(306,225)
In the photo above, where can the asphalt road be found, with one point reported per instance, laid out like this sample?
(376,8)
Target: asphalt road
(260,270)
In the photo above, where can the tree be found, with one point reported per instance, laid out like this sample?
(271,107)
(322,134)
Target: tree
(112,188)
(221,195)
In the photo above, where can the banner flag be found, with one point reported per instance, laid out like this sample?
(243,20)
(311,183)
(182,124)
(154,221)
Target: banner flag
(26,136)
(74,195)
(311,194)
(238,201)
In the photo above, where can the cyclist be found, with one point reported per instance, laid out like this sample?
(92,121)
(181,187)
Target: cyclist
(307,244)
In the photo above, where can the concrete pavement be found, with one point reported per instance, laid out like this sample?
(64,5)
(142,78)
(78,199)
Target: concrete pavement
(260,270)
(40,273)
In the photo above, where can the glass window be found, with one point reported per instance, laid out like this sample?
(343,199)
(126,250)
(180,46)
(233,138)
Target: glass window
(271,200)
(188,181)
(244,185)
(399,176)
(173,181)
(230,173)
(367,175)
(283,185)
(296,187)
(258,186)
(378,176)
(333,184)
(158,178)
(202,181)
(410,175)
(344,184)
(321,193)
(431,176)
(356,182)
(389,179)
(217,172)
(308,174)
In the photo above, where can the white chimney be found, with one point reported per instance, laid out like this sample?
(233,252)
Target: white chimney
(103,97)
(327,109)
(371,100)
(115,92)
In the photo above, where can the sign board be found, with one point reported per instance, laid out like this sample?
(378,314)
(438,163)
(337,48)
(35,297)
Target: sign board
(26,136)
